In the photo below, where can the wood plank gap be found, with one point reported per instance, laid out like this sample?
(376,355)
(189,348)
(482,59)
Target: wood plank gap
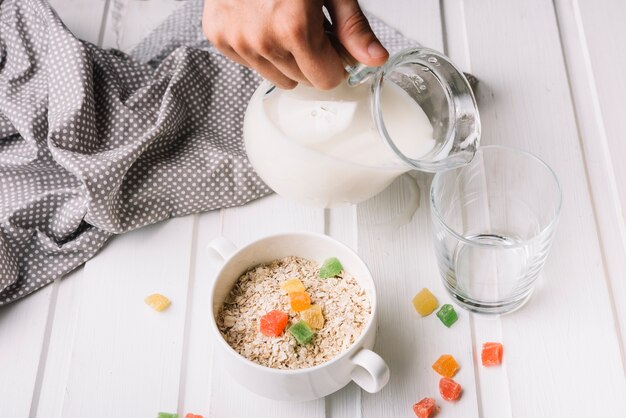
(607,230)
(103,23)
(444,30)
(454,33)
(355,228)
(43,354)
(327,223)
(191,279)
(475,357)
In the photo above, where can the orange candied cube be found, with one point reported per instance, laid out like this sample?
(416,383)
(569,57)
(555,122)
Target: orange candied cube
(491,354)
(190,415)
(273,323)
(299,301)
(446,366)
(425,408)
(449,389)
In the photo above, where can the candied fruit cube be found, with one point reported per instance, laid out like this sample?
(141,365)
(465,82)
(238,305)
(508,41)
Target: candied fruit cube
(166,415)
(446,365)
(190,415)
(302,332)
(313,316)
(425,408)
(299,301)
(491,354)
(158,302)
(330,268)
(425,302)
(449,389)
(292,285)
(273,323)
(447,315)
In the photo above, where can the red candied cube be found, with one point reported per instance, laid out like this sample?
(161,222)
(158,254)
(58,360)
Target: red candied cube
(449,389)
(491,354)
(425,408)
(273,323)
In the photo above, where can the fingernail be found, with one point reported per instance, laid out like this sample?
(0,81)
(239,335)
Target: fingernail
(376,50)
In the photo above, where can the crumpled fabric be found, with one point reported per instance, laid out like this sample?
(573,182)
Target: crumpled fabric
(96,142)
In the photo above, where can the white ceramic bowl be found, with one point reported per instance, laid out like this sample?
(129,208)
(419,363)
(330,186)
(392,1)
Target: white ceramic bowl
(358,363)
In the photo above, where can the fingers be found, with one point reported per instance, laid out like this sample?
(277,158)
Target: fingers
(354,32)
(230,53)
(286,63)
(285,41)
(284,77)
(269,71)
(320,63)
(308,55)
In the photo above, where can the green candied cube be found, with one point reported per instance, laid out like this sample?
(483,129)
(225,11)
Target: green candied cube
(331,268)
(302,332)
(166,415)
(447,314)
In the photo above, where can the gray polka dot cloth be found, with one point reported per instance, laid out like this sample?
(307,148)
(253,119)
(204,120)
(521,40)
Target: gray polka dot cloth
(95,142)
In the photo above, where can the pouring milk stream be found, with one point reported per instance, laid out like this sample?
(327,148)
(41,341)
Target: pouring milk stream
(343,146)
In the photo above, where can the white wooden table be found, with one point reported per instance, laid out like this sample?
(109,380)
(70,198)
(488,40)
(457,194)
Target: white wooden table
(552,82)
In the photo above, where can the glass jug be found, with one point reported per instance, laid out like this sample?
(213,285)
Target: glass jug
(343,146)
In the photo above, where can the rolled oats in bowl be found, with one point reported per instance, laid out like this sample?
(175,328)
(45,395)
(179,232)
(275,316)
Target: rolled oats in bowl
(269,291)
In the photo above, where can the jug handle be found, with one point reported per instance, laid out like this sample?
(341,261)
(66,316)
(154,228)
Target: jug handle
(357,72)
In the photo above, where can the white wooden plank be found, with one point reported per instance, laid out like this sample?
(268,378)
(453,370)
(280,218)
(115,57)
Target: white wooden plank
(22,339)
(126,358)
(24,326)
(603,30)
(492,385)
(586,35)
(526,103)
(70,340)
(242,225)
(130,21)
(414,19)
(402,263)
(196,378)
(48,402)
(82,17)
(341,224)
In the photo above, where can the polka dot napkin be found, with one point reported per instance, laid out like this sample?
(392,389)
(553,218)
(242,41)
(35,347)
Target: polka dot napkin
(95,142)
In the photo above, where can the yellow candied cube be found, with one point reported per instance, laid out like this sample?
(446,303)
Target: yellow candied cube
(313,316)
(157,302)
(425,302)
(292,285)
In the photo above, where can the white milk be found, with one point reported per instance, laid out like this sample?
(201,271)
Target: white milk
(322,147)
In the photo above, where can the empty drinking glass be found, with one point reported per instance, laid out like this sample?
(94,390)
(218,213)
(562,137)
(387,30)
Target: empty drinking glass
(493,223)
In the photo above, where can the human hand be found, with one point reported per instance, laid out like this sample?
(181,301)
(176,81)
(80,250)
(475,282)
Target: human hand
(285,40)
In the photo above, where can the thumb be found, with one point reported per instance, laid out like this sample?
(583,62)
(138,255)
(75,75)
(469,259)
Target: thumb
(354,32)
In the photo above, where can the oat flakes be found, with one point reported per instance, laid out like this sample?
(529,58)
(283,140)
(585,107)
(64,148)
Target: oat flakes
(345,305)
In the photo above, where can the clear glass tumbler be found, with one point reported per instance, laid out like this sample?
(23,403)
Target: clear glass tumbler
(493,224)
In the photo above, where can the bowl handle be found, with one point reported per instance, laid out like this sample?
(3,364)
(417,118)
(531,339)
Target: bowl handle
(371,373)
(220,250)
